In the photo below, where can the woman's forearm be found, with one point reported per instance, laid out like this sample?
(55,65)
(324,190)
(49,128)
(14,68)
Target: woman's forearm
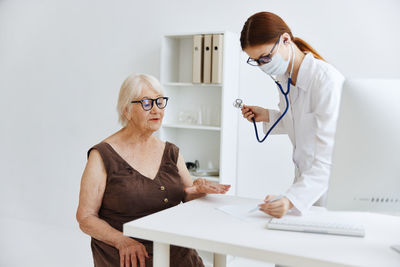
(100,230)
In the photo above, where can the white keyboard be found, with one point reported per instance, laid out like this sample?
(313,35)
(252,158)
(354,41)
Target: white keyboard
(319,227)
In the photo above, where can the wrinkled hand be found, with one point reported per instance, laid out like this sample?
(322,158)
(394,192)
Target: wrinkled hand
(256,112)
(202,186)
(130,251)
(277,208)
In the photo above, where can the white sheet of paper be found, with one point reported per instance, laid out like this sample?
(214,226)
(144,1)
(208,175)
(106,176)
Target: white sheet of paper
(241,211)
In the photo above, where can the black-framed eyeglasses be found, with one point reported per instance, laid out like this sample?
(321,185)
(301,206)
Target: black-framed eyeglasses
(264,59)
(147,103)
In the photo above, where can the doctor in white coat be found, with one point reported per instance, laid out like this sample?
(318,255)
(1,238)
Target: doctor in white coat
(310,121)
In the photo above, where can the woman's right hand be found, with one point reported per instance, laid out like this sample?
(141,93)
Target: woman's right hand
(256,112)
(130,251)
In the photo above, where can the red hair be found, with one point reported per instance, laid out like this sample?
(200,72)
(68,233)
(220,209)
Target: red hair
(266,27)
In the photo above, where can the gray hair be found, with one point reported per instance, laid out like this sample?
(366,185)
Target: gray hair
(131,88)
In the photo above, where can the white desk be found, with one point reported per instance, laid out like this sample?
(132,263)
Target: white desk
(197,224)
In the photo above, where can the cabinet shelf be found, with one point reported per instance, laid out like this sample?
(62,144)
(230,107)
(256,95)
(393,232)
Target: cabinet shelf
(181,84)
(209,178)
(190,126)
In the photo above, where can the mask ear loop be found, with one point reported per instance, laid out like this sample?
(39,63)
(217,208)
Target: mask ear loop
(292,55)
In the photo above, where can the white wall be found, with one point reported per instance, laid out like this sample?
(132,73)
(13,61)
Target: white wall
(61,66)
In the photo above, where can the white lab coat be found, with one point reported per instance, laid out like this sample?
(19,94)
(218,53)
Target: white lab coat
(311,124)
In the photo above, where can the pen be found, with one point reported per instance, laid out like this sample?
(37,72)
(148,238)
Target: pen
(276,198)
(272,200)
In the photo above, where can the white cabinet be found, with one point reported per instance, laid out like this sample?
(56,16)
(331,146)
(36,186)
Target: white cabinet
(200,118)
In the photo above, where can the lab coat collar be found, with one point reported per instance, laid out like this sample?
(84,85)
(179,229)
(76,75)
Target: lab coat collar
(304,77)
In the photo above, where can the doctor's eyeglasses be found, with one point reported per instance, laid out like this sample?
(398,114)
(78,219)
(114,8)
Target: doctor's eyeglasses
(147,103)
(263,59)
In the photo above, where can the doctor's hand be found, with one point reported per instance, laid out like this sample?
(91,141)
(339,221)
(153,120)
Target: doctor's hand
(256,112)
(277,208)
(203,186)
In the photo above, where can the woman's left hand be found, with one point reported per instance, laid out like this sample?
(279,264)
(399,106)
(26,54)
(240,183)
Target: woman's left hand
(202,186)
(278,208)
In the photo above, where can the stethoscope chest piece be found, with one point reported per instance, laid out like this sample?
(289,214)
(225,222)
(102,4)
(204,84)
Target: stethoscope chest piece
(238,103)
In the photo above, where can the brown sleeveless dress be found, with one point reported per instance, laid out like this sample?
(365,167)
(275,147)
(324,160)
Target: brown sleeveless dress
(129,195)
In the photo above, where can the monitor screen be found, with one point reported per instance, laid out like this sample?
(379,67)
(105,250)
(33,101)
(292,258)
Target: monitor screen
(365,174)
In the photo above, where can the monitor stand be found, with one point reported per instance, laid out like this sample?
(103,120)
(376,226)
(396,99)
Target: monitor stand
(396,248)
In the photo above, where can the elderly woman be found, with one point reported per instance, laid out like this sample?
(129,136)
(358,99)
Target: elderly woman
(132,174)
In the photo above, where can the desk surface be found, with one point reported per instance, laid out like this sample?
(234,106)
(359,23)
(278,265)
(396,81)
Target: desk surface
(198,224)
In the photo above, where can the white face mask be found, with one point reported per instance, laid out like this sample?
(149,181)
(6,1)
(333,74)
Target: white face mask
(277,65)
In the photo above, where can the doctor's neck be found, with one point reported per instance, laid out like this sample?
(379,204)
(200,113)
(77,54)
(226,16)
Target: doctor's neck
(297,63)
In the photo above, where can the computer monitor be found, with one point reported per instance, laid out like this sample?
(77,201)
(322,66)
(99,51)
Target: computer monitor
(365,174)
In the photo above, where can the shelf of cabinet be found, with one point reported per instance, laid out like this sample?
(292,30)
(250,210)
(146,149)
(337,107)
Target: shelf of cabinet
(209,178)
(181,84)
(192,126)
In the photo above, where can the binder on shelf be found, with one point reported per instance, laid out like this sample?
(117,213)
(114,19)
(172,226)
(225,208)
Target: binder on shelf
(207,57)
(217,48)
(197,69)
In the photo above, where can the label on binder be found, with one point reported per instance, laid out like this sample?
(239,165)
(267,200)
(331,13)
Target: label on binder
(197,69)
(217,49)
(207,58)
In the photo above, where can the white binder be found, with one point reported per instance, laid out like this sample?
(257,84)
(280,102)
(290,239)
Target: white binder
(207,56)
(197,69)
(217,48)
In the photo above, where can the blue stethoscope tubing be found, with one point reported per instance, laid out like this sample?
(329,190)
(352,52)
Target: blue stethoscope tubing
(285,94)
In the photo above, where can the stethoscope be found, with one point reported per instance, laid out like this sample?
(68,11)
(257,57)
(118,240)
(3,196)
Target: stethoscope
(239,103)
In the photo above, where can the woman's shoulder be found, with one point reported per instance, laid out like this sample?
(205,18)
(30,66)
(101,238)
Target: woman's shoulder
(172,151)
(104,146)
(171,145)
(325,72)
(101,148)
